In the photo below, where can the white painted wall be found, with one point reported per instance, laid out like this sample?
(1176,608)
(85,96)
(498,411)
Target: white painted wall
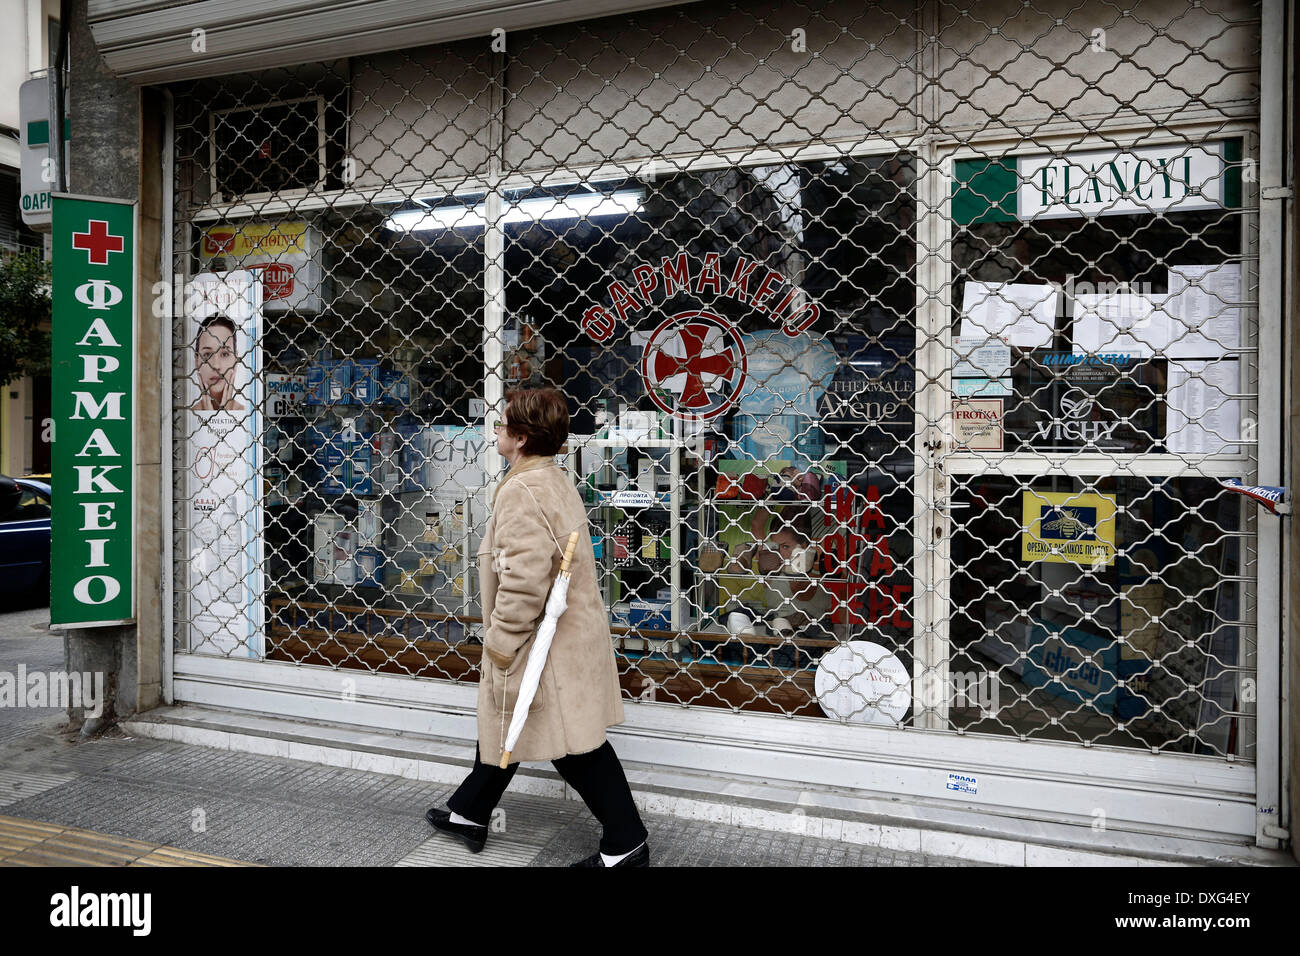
(24,47)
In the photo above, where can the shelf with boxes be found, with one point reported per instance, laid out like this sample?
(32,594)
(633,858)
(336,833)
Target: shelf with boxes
(636,494)
(369,504)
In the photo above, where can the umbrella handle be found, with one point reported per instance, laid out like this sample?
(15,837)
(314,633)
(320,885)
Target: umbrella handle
(568,552)
(505,760)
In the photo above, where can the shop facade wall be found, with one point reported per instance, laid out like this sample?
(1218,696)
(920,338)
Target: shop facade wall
(1028,67)
(421,114)
(561,114)
(648,86)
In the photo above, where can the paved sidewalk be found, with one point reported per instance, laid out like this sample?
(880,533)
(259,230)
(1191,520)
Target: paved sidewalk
(190,800)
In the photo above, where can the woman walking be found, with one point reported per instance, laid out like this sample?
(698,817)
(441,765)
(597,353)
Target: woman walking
(534,509)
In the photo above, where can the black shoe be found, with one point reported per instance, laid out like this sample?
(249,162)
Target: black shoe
(473,836)
(639,857)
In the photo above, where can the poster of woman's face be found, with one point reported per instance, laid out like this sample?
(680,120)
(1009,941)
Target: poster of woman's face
(216,361)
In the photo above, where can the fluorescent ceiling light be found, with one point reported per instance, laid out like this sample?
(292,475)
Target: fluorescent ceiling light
(574,206)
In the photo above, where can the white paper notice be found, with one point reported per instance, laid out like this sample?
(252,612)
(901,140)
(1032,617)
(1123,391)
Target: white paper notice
(1203,297)
(1201,418)
(980,356)
(1122,322)
(1023,314)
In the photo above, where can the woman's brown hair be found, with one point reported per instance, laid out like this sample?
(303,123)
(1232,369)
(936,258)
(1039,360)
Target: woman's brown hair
(540,415)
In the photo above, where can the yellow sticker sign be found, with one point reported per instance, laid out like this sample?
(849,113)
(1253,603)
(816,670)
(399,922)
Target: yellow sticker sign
(278,239)
(1066,528)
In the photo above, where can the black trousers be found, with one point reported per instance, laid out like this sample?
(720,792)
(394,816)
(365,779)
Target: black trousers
(597,777)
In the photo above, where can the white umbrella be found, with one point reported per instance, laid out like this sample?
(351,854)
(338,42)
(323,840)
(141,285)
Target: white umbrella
(555,605)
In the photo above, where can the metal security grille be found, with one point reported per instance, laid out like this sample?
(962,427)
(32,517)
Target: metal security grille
(906,346)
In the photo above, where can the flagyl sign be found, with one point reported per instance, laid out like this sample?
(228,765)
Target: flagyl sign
(93,402)
(1105,182)
(1075,184)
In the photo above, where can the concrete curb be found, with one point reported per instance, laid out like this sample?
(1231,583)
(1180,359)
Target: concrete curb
(780,806)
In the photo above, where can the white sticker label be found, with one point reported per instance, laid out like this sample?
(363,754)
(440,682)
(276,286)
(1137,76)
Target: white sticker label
(981,387)
(963,783)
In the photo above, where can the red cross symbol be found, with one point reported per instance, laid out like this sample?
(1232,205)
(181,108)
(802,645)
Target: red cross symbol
(693,364)
(98,242)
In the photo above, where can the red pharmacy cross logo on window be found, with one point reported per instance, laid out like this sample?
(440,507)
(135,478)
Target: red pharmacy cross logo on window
(696,360)
(98,242)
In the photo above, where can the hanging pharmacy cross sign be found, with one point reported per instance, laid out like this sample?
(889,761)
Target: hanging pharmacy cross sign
(93,372)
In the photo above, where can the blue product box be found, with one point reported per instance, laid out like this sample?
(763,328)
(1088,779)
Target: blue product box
(332,458)
(358,471)
(597,541)
(410,436)
(332,462)
(1061,652)
(338,381)
(394,387)
(652,615)
(315,387)
(365,381)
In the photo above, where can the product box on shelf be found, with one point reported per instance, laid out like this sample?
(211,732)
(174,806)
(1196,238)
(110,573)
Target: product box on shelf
(357,473)
(314,391)
(370,568)
(329,382)
(649,614)
(411,453)
(274,493)
(365,381)
(334,550)
(369,524)
(332,460)
(385,465)
(394,387)
(620,614)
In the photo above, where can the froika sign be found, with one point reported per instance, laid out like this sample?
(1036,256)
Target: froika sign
(286,254)
(977,424)
(93,458)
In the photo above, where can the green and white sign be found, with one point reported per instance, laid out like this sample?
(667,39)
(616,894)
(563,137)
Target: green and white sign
(37,162)
(93,391)
(1088,183)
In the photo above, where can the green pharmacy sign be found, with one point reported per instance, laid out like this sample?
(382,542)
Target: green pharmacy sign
(93,458)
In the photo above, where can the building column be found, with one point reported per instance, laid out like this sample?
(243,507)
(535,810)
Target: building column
(120,145)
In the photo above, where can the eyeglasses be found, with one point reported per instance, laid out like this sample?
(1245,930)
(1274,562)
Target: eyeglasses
(501,425)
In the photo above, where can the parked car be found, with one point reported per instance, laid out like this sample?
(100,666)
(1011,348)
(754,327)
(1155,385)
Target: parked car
(24,542)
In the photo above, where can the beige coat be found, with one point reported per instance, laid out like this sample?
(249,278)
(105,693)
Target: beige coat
(534,509)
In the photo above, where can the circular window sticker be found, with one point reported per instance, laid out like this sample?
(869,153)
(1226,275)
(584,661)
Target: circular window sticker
(698,360)
(863,683)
